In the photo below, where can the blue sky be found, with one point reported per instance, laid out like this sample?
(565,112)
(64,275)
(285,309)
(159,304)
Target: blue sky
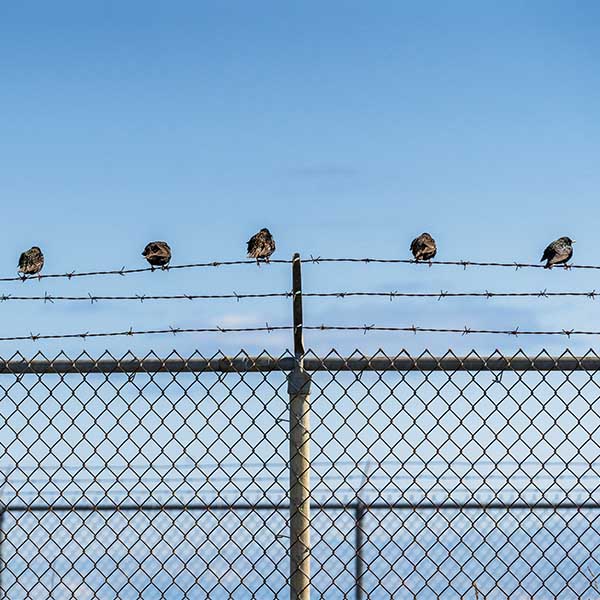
(346,127)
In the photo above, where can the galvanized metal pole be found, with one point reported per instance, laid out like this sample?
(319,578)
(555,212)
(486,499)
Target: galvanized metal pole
(299,393)
(2,512)
(359,543)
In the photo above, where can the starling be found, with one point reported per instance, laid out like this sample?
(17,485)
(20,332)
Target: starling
(31,261)
(558,252)
(261,246)
(423,247)
(158,254)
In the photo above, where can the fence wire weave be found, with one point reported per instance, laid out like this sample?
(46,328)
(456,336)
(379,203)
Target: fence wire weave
(167,477)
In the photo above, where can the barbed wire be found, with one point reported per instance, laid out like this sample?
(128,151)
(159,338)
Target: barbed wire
(446,294)
(241,296)
(464,331)
(269,328)
(123,271)
(142,297)
(311,260)
(458,263)
(131,332)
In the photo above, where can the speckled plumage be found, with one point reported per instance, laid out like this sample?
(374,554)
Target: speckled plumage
(158,254)
(423,247)
(261,245)
(558,252)
(31,261)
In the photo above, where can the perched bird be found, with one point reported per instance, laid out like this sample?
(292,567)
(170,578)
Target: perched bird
(261,245)
(423,247)
(31,261)
(158,254)
(558,252)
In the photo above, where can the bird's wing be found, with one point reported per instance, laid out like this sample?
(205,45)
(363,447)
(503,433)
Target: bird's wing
(22,259)
(413,245)
(548,253)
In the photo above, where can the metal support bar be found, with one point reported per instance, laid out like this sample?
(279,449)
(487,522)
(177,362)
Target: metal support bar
(247,364)
(299,393)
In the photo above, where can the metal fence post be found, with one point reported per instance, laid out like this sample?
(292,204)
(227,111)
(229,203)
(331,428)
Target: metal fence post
(299,393)
(2,512)
(360,510)
(359,543)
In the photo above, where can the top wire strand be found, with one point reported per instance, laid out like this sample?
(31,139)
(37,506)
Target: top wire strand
(314,260)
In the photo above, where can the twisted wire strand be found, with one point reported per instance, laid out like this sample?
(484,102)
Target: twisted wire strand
(132,332)
(269,328)
(315,260)
(142,297)
(240,296)
(458,263)
(123,271)
(463,331)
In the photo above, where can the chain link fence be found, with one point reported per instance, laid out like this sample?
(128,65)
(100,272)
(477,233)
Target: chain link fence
(429,477)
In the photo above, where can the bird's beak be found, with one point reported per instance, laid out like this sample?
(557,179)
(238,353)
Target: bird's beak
(573,241)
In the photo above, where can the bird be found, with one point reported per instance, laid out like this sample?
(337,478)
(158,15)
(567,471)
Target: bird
(158,254)
(31,261)
(423,247)
(261,246)
(558,252)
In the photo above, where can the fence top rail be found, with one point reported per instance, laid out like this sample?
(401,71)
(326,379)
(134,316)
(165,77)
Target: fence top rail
(257,364)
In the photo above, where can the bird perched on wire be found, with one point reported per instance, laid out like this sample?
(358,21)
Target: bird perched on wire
(158,254)
(261,246)
(31,261)
(558,252)
(423,247)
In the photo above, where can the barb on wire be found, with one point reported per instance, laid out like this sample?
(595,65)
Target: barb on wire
(463,331)
(446,294)
(124,271)
(132,332)
(316,260)
(442,294)
(460,263)
(142,297)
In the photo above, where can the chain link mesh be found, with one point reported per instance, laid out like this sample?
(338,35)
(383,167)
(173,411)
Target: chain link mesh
(168,477)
